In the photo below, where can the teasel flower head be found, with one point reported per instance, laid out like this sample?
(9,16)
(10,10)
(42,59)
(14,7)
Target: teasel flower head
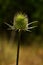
(21,23)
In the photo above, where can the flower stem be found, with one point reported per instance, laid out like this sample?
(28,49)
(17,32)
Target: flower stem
(17,60)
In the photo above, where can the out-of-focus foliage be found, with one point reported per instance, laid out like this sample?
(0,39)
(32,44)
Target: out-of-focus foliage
(33,8)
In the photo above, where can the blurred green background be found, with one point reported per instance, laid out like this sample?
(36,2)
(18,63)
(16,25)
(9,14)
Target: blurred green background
(34,11)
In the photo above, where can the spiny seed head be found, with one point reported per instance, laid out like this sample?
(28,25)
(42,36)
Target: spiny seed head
(20,21)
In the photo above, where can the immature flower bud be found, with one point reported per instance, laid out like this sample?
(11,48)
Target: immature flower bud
(20,21)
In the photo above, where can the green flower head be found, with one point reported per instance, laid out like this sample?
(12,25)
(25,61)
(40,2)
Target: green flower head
(20,21)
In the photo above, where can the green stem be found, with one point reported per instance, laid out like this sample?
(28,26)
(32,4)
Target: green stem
(17,60)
